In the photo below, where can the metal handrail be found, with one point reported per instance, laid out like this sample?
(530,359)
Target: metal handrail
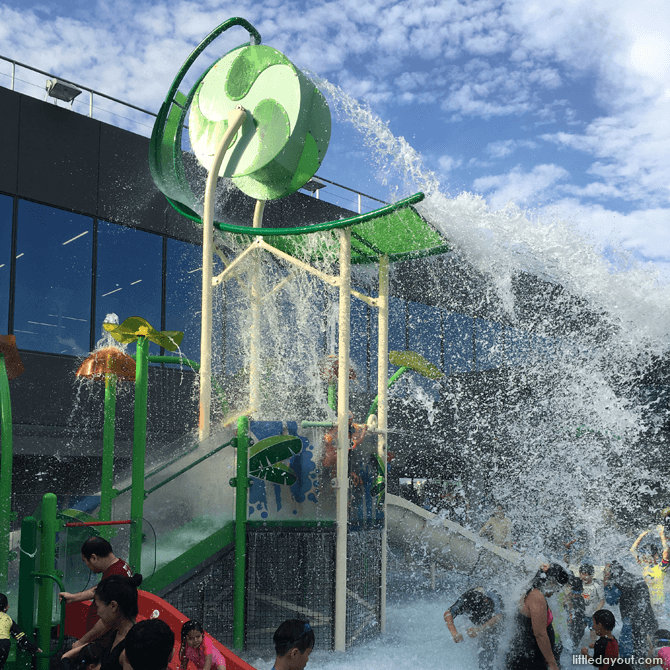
(90,91)
(180,472)
(93,92)
(61,633)
(192,465)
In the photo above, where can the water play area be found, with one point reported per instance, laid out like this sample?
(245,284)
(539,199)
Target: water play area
(482,352)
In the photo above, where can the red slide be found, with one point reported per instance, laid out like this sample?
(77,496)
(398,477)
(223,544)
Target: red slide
(151,607)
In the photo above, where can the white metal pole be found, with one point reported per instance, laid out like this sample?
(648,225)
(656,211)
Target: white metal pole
(255,344)
(382,407)
(235,120)
(342,441)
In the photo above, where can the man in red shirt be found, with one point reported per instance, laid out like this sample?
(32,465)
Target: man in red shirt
(99,558)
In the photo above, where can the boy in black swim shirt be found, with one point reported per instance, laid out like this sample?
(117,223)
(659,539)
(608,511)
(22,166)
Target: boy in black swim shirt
(606,646)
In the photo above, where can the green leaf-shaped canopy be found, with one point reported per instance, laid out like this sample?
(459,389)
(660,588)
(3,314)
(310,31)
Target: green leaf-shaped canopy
(416,362)
(265,457)
(135,326)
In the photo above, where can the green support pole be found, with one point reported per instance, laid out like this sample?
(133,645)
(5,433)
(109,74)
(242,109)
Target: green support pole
(5,473)
(332,396)
(47,566)
(107,482)
(398,373)
(241,487)
(139,451)
(26,599)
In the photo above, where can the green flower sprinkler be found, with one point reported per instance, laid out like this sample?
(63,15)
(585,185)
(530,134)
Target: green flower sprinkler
(135,328)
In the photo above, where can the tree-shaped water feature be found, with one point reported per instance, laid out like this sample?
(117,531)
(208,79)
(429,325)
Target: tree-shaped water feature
(256,119)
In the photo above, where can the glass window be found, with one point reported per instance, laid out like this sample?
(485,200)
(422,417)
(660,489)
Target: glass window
(517,346)
(396,337)
(488,344)
(397,325)
(5,258)
(425,338)
(183,295)
(130,271)
(358,352)
(54,258)
(457,343)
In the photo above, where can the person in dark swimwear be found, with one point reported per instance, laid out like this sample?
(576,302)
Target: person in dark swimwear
(485,609)
(635,607)
(533,645)
(116,601)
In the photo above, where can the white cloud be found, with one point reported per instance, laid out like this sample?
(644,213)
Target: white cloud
(448,163)
(504,148)
(521,188)
(643,232)
(511,61)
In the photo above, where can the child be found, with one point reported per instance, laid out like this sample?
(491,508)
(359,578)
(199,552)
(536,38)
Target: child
(582,606)
(89,658)
(7,628)
(294,641)
(606,646)
(197,647)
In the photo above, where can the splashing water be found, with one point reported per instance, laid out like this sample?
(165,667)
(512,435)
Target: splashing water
(575,432)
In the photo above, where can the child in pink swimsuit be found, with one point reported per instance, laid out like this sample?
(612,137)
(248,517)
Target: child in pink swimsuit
(198,647)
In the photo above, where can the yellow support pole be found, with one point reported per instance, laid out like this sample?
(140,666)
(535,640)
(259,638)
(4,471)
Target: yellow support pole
(382,411)
(342,441)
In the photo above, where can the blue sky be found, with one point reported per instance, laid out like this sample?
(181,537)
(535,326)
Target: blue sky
(560,106)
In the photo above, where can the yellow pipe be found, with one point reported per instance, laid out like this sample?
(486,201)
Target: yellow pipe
(328,279)
(231,270)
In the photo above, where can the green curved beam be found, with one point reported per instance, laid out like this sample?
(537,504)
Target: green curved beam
(165,152)
(314,228)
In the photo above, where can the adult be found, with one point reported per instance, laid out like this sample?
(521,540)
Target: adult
(533,645)
(634,605)
(498,529)
(97,554)
(116,601)
(485,610)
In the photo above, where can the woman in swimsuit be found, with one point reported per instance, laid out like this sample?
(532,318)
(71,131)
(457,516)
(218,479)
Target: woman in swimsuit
(116,600)
(533,644)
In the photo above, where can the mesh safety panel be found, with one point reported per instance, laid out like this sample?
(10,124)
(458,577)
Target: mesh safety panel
(207,596)
(363,585)
(290,575)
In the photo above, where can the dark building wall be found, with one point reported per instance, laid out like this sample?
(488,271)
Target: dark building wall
(55,157)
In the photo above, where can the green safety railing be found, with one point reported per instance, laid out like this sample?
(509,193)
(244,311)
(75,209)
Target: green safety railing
(231,443)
